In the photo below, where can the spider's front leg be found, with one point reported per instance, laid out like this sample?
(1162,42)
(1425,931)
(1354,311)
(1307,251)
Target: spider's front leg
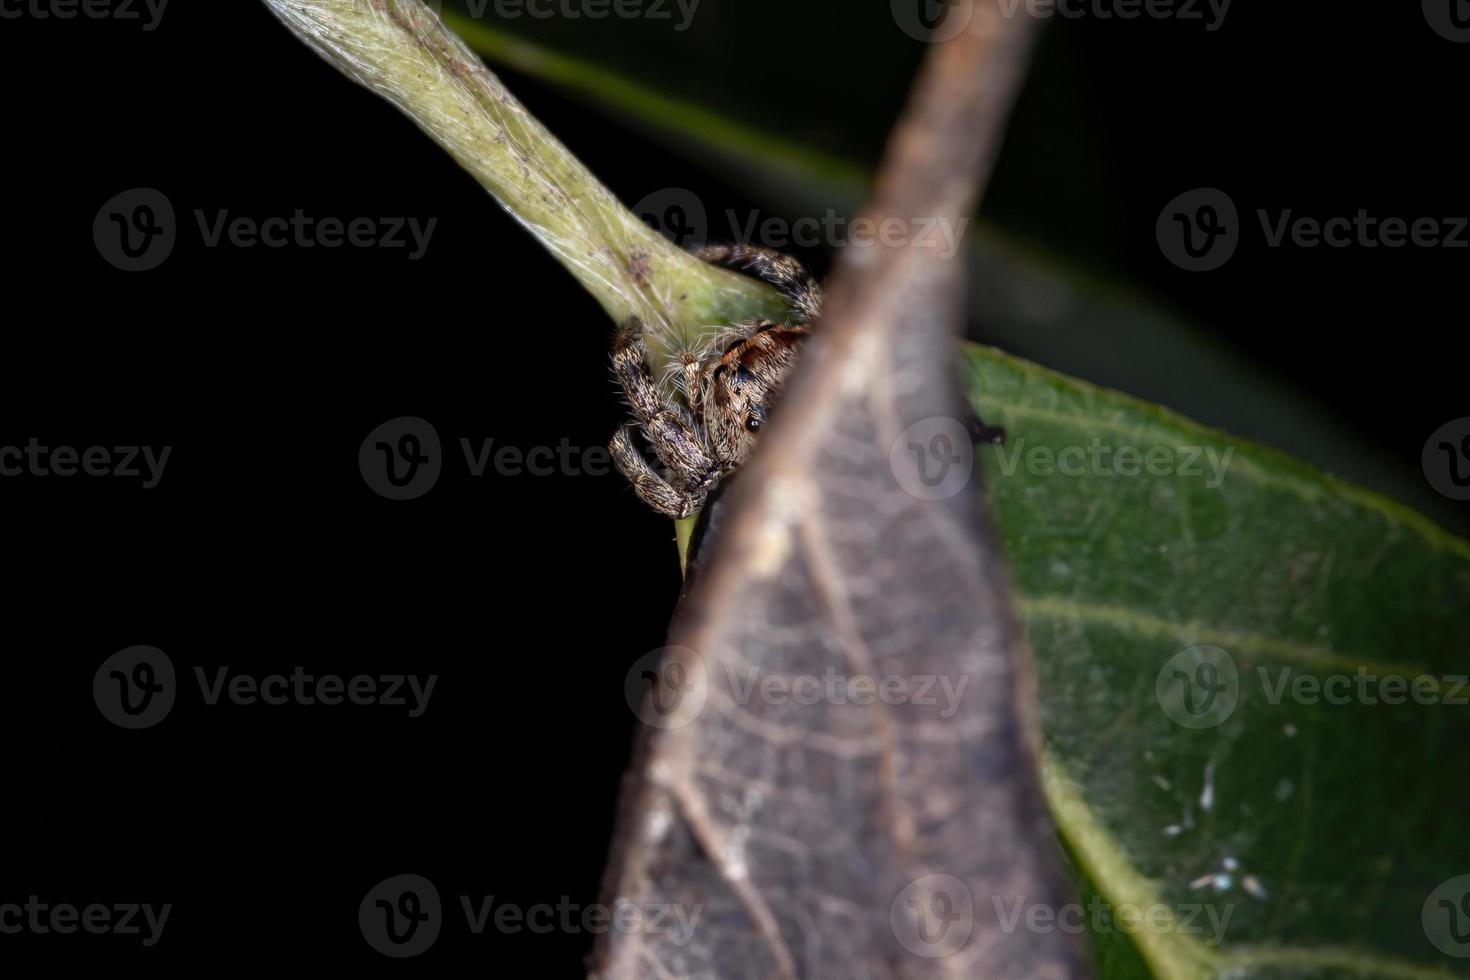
(651,488)
(670,430)
(691,380)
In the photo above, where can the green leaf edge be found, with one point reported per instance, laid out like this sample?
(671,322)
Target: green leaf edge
(1306,479)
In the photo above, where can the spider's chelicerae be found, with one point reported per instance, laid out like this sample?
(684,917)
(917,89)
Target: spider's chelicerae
(729,387)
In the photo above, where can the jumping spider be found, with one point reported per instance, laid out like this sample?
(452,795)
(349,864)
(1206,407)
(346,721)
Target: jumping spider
(729,387)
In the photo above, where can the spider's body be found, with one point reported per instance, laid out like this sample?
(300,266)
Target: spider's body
(729,388)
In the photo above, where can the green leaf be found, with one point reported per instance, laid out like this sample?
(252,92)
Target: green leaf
(1323,827)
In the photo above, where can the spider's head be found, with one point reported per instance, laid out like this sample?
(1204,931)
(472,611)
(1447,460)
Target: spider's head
(744,385)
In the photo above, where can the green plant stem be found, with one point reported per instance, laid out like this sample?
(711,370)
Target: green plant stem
(403,51)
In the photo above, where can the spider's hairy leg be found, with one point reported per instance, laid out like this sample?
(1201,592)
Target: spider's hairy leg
(630,366)
(651,488)
(780,270)
(668,427)
(691,382)
(736,333)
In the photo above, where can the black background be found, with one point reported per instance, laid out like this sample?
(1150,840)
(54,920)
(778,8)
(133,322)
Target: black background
(262,548)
